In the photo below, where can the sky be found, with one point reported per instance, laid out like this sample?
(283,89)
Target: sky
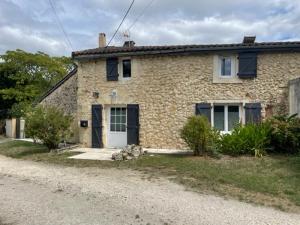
(31,25)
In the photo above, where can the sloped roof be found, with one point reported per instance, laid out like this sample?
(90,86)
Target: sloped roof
(59,83)
(166,49)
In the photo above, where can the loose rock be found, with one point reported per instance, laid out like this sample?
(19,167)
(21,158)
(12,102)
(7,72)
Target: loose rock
(129,152)
(117,156)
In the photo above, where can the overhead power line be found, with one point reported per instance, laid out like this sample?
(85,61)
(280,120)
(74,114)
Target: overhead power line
(120,23)
(119,37)
(59,23)
(140,15)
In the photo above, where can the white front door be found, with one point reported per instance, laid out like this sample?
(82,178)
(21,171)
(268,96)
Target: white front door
(117,127)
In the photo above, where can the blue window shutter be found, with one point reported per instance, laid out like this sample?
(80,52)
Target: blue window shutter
(247,65)
(97,126)
(204,109)
(112,69)
(133,124)
(253,112)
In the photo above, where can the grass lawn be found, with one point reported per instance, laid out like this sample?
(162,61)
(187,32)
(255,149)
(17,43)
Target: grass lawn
(271,180)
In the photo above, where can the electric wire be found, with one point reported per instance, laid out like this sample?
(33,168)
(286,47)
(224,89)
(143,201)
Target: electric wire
(59,23)
(120,23)
(140,15)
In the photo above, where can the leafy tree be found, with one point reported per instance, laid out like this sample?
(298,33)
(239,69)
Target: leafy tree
(26,76)
(49,125)
(5,82)
(20,109)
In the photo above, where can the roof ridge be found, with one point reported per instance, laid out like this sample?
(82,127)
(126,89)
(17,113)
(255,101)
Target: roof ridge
(207,47)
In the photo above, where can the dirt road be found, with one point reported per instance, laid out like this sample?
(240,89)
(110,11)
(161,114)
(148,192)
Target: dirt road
(37,194)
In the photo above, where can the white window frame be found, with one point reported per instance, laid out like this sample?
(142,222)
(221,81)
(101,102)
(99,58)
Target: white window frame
(240,105)
(109,119)
(217,77)
(121,68)
(233,71)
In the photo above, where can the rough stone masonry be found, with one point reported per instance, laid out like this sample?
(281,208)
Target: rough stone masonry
(167,89)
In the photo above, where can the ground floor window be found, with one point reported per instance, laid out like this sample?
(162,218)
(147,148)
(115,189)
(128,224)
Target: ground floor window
(225,117)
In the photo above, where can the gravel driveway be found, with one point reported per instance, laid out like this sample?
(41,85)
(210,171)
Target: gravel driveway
(37,194)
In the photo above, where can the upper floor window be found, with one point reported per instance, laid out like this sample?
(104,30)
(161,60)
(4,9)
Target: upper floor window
(225,66)
(126,66)
(116,66)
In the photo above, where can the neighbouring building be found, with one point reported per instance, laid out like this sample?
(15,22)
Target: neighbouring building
(294,96)
(144,94)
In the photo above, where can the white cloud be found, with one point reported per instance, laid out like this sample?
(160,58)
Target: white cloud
(15,38)
(30,25)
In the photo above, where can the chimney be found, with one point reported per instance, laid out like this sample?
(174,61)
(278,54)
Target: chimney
(102,40)
(128,44)
(249,39)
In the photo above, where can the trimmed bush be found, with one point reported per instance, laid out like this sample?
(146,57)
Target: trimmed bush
(285,135)
(198,135)
(250,139)
(49,125)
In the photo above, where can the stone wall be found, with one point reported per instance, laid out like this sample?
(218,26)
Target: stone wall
(65,98)
(167,88)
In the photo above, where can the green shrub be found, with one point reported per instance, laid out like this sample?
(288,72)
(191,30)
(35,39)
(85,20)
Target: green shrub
(249,139)
(49,125)
(285,135)
(198,135)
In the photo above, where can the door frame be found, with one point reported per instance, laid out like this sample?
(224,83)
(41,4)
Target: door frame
(108,112)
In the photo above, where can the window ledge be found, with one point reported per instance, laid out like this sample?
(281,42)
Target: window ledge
(227,80)
(225,132)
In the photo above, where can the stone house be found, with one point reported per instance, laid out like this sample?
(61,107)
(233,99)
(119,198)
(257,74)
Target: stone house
(144,94)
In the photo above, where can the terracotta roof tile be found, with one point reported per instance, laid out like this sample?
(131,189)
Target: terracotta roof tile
(184,48)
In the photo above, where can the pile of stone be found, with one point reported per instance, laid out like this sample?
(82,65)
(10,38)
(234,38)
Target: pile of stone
(129,152)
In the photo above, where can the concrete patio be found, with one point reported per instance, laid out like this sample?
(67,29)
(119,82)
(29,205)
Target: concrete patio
(94,153)
(106,153)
